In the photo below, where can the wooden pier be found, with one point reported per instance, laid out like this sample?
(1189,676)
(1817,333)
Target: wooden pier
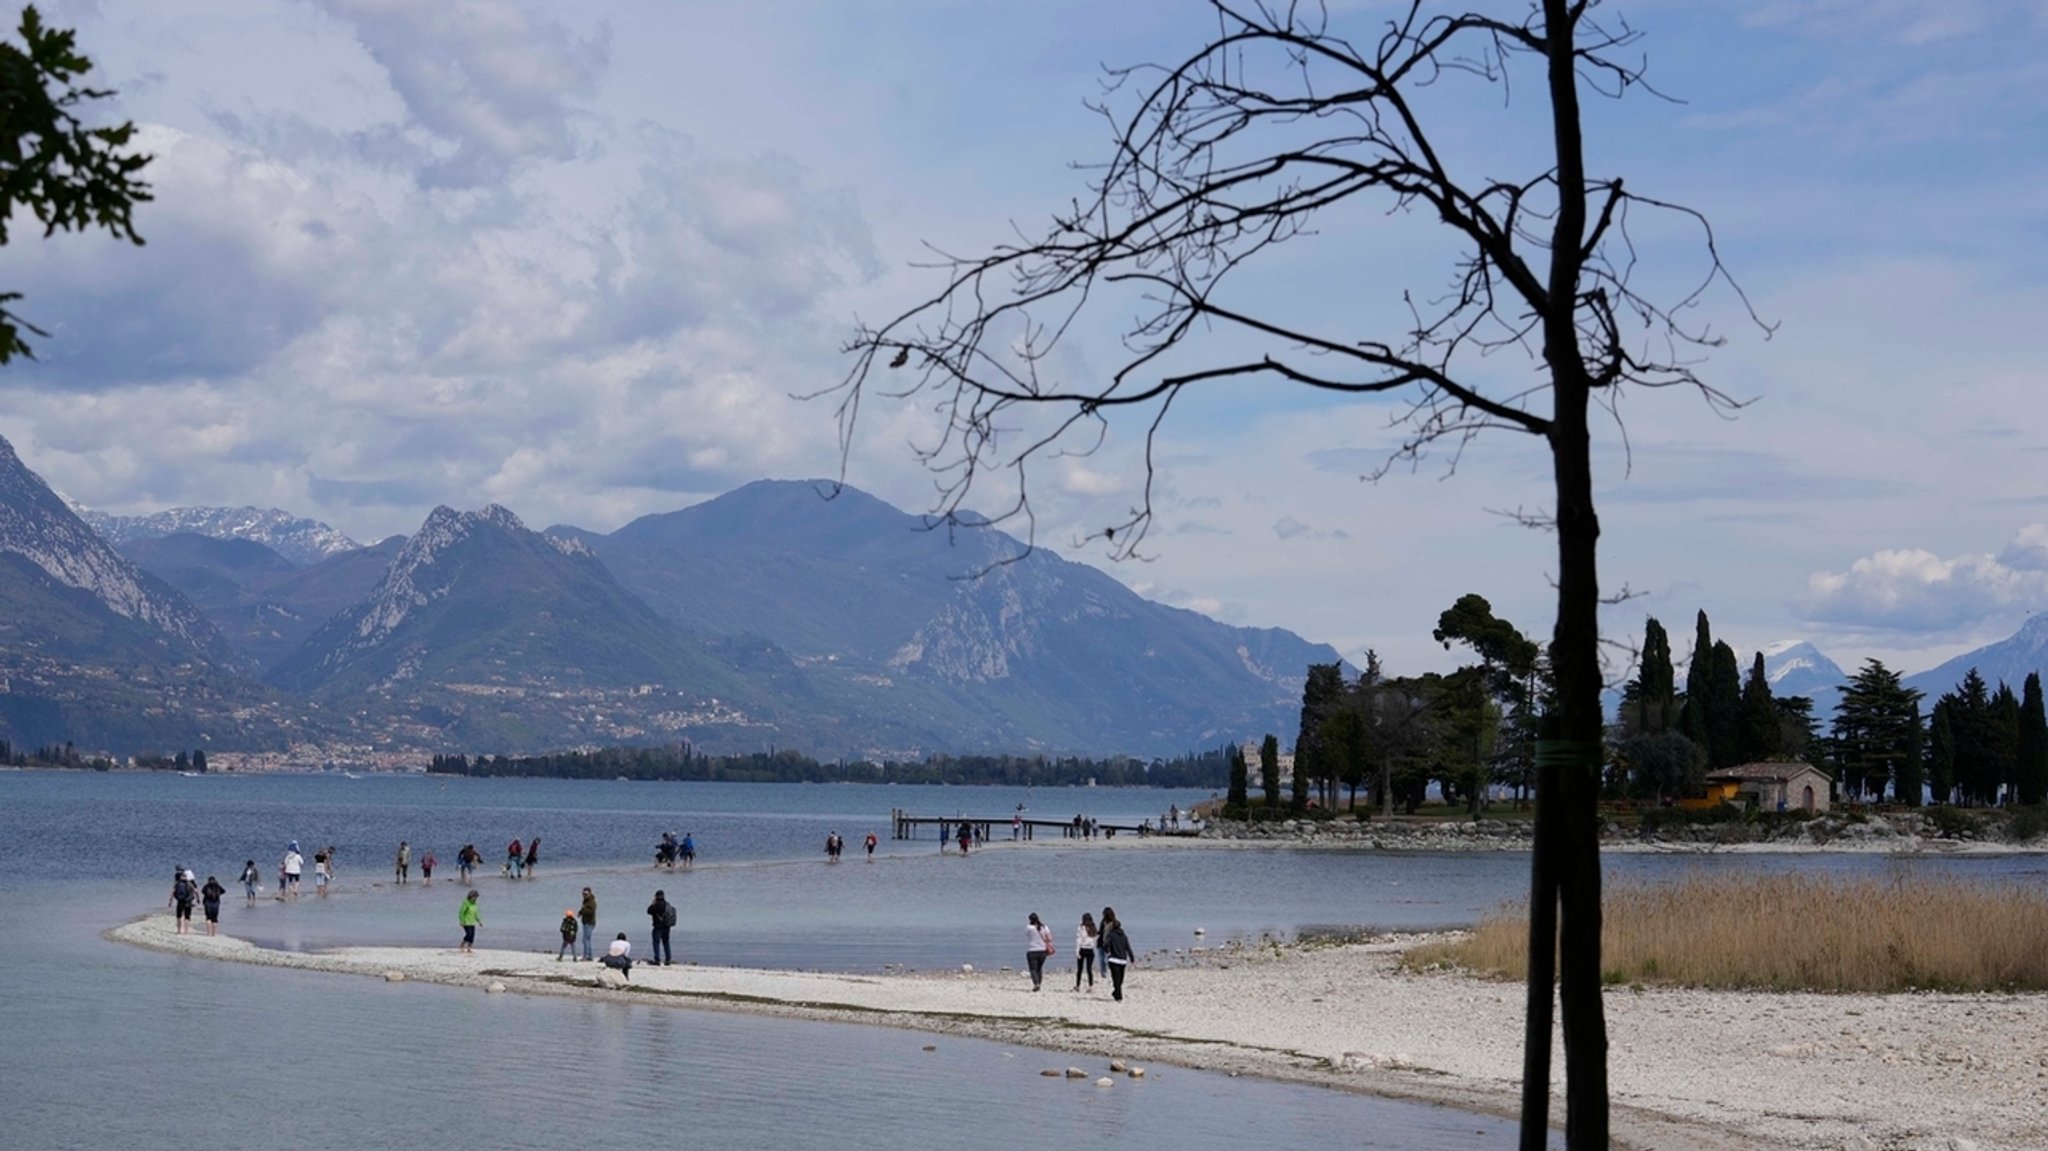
(988,830)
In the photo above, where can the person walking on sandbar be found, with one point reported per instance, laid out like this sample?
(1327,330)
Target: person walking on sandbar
(1116,951)
(469,919)
(1037,947)
(403,863)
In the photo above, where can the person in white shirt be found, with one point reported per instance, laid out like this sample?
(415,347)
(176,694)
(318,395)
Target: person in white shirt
(1038,945)
(1084,951)
(294,863)
(619,957)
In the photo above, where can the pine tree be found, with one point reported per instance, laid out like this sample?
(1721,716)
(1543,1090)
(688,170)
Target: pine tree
(1762,736)
(1969,718)
(1269,769)
(1320,695)
(2031,773)
(1240,782)
(1875,729)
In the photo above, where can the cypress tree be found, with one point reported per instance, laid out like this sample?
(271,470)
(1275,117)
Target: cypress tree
(1657,684)
(2004,740)
(2031,776)
(1941,754)
(1762,735)
(1693,721)
(1240,782)
(1269,769)
(1724,712)
(1912,769)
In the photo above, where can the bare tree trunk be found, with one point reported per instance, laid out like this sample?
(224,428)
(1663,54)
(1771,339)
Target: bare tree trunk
(1573,853)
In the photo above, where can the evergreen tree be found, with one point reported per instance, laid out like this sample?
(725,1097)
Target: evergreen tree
(1912,769)
(1269,769)
(1656,684)
(2030,776)
(1969,718)
(1694,720)
(2004,741)
(1322,693)
(199,760)
(1724,711)
(1762,735)
(1941,754)
(1875,729)
(1798,730)
(1239,797)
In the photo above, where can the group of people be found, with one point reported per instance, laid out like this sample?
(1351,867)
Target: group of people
(521,861)
(290,869)
(1104,943)
(670,852)
(402,864)
(185,890)
(835,846)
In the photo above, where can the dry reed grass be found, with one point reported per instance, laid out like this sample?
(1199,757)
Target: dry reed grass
(1787,932)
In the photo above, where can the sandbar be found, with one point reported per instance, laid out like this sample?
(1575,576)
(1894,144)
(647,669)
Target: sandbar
(1690,1070)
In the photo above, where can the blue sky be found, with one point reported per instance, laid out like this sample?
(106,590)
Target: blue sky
(577,259)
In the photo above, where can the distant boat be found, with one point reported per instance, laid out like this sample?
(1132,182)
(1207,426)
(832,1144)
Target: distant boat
(350,775)
(191,774)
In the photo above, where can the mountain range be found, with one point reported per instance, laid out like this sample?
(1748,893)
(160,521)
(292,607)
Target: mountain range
(770,616)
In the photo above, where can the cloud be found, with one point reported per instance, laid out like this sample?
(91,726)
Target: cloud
(489,80)
(1289,528)
(1915,590)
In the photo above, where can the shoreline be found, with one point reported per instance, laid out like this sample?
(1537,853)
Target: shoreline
(1689,1070)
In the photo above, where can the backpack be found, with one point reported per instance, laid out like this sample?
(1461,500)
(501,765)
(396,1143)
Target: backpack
(668,915)
(182,890)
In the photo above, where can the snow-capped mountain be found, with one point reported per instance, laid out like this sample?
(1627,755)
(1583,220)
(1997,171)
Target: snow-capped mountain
(296,538)
(37,526)
(1795,667)
(2010,660)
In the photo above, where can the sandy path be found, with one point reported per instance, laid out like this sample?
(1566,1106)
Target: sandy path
(1691,1070)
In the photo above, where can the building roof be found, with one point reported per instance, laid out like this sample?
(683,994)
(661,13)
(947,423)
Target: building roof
(1767,772)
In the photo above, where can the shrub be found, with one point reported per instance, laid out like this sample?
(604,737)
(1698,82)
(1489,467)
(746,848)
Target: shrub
(1954,822)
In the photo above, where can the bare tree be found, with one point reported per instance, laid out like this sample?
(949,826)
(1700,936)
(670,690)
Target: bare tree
(1251,141)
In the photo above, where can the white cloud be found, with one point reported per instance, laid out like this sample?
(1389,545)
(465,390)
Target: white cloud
(488,79)
(1912,22)
(1915,590)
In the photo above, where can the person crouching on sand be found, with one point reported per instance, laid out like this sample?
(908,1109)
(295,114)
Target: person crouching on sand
(620,957)
(470,919)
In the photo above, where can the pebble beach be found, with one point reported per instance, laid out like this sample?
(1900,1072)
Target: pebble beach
(1691,1070)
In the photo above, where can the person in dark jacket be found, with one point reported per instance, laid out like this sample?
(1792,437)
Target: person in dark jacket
(663,915)
(1116,951)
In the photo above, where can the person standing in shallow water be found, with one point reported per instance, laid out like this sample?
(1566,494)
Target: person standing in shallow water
(469,918)
(183,891)
(402,864)
(251,879)
(532,856)
(1037,948)
(427,862)
(209,901)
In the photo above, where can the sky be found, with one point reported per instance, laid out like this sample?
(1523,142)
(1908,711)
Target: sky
(586,259)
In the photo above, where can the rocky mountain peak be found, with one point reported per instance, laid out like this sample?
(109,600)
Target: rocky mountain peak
(41,528)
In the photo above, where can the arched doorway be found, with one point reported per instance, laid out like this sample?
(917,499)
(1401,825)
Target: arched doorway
(1806,800)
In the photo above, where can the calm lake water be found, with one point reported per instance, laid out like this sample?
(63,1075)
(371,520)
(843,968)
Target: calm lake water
(110,1046)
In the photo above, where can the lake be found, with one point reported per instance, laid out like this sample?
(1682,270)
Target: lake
(113,1046)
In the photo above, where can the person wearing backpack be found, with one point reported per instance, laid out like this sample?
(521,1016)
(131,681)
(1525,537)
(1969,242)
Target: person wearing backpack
(568,947)
(183,892)
(663,915)
(209,902)
(251,880)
